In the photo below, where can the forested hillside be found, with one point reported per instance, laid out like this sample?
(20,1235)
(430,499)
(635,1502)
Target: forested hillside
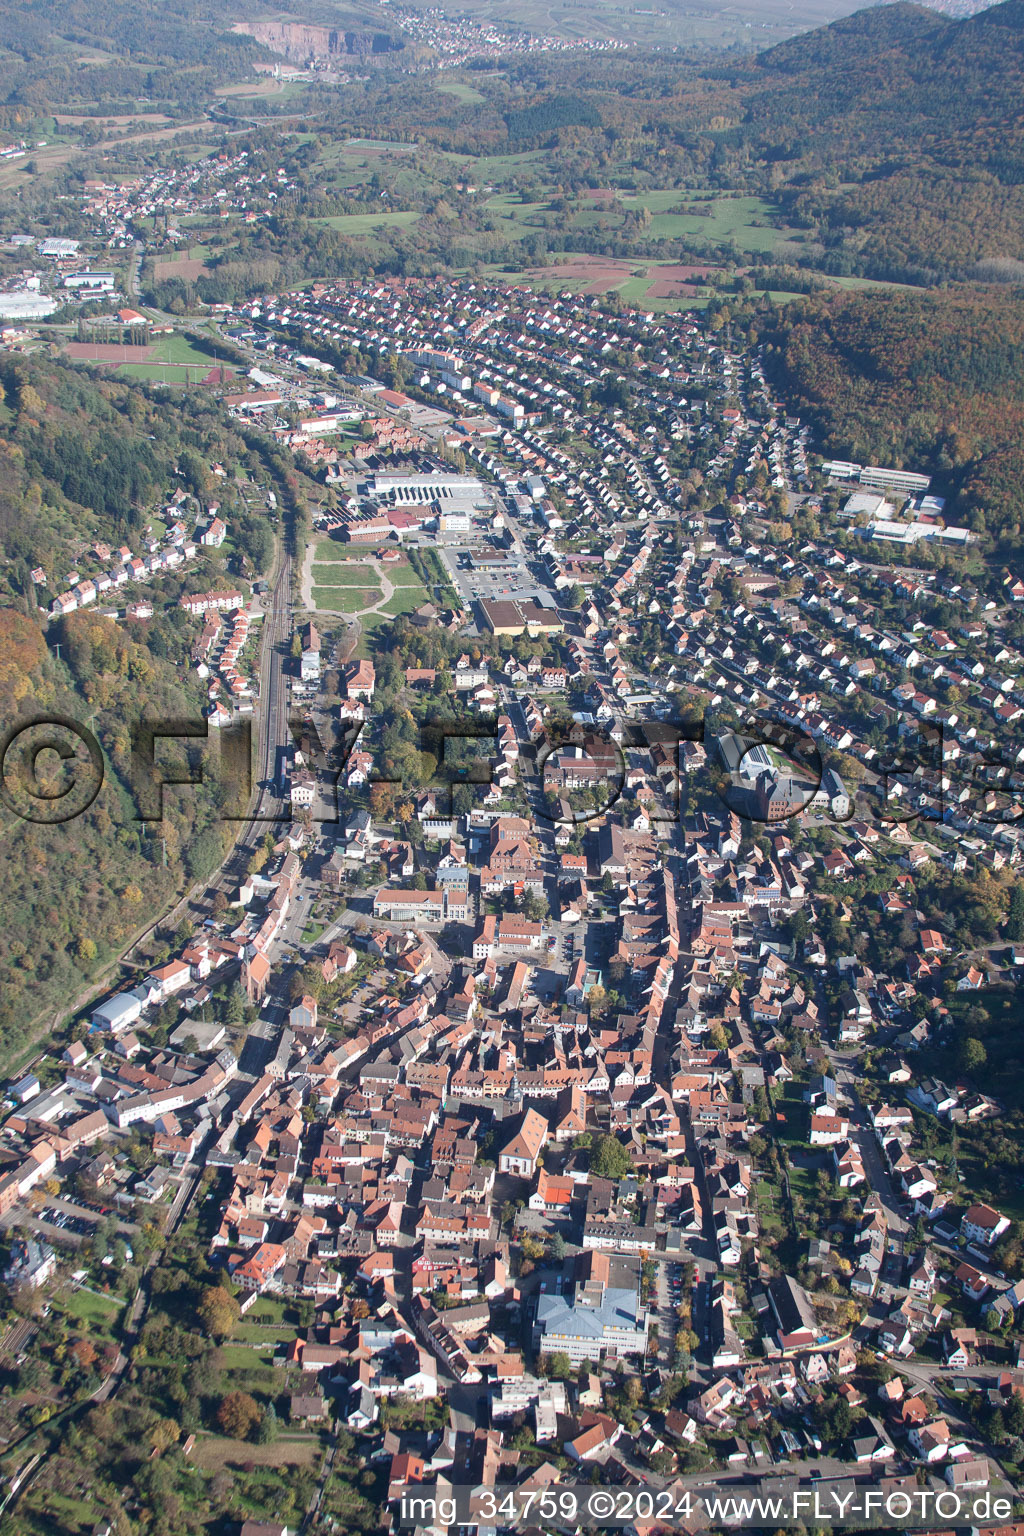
(927,381)
(889,144)
(84,461)
(113,54)
(897,139)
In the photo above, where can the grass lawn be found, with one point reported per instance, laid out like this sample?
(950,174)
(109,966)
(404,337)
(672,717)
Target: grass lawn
(264,1333)
(338,574)
(243,1357)
(729,221)
(333,550)
(464,93)
(367,625)
(345,599)
(366,223)
(770,1207)
(100,1312)
(405,576)
(69,1516)
(395,145)
(404,600)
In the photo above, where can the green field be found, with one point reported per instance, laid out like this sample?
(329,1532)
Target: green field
(394,146)
(515,215)
(367,625)
(172,359)
(186,253)
(404,600)
(332,550)
(100,1312)
(464,93)
(338,574)
(496,168)
(266,1335)
(366,223)
(730,222)
(345,599)
(245,1357)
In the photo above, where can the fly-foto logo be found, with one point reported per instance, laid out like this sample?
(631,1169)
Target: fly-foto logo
(53,767)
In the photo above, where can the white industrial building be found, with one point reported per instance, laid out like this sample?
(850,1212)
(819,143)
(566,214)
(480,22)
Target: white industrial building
(25,304)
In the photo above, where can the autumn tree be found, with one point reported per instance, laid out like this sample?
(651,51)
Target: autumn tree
(83,1352)
(218,1311)
(238,1415)
(164,1434)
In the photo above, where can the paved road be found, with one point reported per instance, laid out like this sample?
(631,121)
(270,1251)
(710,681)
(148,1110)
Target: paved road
(862,1133)
(271,723)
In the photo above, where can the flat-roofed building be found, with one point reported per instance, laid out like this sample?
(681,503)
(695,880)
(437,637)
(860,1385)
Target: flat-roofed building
(519,618)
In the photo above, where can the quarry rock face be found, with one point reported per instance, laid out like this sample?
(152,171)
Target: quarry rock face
(297,42)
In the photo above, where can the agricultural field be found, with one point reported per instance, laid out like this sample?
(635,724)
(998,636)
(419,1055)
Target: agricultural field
(367,223)
(380,146)
(731,221)
(246,89)
(463,93)
(658,286)
(188,264)
(737,224)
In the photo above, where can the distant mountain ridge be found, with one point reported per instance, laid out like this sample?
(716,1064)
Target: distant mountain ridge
(897,138)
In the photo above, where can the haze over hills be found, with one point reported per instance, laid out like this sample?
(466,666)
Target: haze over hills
(895,137)
(195,33)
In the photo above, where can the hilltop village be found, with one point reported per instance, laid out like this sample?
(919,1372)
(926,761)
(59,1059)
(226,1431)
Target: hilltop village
(606,1059)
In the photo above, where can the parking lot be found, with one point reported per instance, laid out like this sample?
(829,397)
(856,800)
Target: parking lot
(67,1222)
(513,580)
